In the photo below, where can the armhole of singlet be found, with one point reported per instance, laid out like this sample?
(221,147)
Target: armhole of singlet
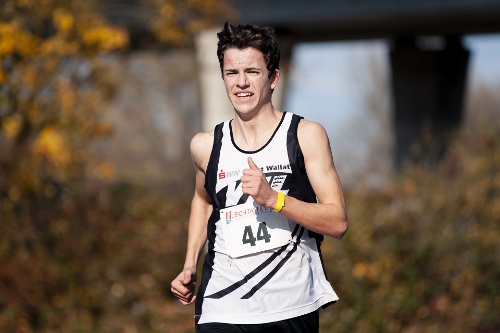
(294,131)
(211,172)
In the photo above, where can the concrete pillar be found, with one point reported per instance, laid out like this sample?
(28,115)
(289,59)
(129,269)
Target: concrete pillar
(215,105)
(428,83)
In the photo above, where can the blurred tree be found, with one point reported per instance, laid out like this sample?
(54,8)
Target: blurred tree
(82,253)
(176,21)
(72,243)
(420,254)
(51,92)
(51,89)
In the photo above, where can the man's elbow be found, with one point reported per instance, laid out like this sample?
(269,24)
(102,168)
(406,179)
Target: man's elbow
(341,229)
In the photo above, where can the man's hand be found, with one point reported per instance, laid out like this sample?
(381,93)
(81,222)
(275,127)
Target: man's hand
(254,183)
(183,286)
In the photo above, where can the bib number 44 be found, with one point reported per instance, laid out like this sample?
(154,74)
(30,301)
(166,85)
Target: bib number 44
(249,228)
(262,234)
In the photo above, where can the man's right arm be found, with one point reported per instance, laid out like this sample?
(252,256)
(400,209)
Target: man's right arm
(183,286)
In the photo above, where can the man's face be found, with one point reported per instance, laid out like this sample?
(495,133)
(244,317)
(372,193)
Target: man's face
(247,81)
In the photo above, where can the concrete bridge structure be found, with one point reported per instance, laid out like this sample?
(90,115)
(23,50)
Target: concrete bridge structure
(428,60)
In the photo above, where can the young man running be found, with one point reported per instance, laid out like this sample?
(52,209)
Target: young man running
(266,192)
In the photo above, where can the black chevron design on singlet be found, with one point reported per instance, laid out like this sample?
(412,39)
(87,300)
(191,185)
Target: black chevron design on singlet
(244,197)
(275,269)
(259,268)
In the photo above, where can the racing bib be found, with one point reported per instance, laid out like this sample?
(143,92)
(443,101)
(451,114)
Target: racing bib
(250,228)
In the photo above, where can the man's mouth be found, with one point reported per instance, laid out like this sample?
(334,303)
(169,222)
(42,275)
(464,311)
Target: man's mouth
(243,94)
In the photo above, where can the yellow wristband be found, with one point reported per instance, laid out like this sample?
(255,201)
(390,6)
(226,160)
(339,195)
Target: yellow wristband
(280,203)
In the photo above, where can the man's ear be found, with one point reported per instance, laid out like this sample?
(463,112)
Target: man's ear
(275,79)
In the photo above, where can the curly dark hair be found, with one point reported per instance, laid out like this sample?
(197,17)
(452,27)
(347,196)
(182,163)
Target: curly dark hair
(244,36)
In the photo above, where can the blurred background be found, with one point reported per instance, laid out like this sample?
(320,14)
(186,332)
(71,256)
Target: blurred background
(99,101)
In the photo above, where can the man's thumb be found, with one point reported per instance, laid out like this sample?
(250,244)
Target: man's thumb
(252,165)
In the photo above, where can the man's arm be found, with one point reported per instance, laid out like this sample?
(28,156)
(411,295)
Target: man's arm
(183,286)
(329,216)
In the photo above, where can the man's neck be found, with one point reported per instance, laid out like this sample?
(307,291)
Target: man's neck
(252,133)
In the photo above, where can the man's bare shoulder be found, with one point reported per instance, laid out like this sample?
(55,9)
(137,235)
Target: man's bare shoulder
(201,148)
(315,144)
(202,140)
(311,133)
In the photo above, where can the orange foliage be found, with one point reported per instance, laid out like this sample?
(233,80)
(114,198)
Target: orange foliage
(77,251)
(421,253)
(176,21)
(81,253)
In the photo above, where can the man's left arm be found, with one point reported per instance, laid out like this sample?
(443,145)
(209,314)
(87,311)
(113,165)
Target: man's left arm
(329,215)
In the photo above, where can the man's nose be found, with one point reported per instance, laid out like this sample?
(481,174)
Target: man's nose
(242,80)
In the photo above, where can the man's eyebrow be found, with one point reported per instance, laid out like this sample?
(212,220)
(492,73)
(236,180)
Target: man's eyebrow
(249,69)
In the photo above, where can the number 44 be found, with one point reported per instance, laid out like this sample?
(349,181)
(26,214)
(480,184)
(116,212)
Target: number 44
(262,234)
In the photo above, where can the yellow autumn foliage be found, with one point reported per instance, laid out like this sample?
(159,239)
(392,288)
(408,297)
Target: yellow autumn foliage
(11,126)
(177,21)
(105,38)
(63,20)
(7,42)
(51,145)
(15,39)
(59,46)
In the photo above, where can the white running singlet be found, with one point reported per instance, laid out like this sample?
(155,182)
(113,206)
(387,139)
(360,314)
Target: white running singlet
(246,282)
